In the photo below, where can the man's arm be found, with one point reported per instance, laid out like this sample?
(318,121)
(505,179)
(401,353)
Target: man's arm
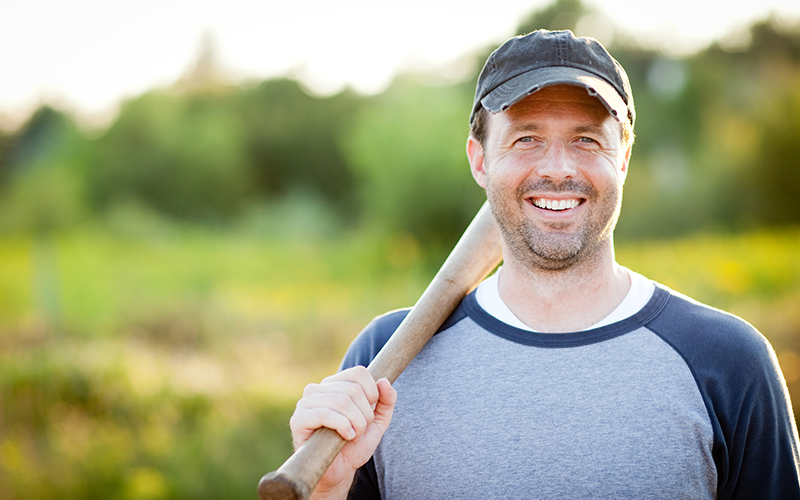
(761,443)
(756,447)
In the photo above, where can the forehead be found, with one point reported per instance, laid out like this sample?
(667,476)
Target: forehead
(562,99)
(566,105)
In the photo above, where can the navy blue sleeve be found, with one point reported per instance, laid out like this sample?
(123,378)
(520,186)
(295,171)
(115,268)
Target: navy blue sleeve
(371,340)
(736,370)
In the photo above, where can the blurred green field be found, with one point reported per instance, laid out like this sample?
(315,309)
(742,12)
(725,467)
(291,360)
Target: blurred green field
(167,368)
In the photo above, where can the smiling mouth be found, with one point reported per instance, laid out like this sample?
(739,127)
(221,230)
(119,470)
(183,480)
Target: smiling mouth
(556,205)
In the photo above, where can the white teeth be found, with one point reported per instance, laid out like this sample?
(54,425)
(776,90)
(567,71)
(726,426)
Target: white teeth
(555,204)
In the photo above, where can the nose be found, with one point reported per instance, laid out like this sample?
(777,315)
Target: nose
(556,164)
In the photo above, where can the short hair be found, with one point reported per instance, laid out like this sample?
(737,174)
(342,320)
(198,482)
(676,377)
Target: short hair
(479,129)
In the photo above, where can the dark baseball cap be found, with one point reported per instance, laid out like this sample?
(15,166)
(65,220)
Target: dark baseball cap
(526,64)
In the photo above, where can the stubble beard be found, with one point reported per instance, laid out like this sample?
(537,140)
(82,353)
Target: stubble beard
(553,246)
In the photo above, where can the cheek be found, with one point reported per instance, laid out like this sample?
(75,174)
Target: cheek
(606,169)
(513,167)
(504,179)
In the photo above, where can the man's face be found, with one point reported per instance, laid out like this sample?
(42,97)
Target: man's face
(553,169)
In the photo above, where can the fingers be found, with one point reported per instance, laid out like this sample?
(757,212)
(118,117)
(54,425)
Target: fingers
(343,402)
(345,410)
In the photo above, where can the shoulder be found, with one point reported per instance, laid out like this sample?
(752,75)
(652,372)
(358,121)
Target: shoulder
(727,355)
(737,374)
(372,338)
(698,330)
(375,335)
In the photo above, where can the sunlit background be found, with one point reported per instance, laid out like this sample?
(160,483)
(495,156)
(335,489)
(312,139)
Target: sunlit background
(202,203)
(88,54)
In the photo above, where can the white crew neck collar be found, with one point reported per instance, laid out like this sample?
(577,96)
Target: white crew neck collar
(640,292)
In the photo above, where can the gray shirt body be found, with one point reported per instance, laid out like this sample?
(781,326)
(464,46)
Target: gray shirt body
(654,406)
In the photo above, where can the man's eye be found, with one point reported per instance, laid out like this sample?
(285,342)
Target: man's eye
(587,140)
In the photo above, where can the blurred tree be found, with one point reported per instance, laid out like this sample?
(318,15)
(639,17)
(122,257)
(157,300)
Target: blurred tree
(774,178)
(775,43)
(670,188)
(40,137)
(204,152)
(292,138)
(6,145)
(749,133)
(407,149)
(560,15)
(767,98)
(44,186)
(183,155)
(714,131)
(44,194)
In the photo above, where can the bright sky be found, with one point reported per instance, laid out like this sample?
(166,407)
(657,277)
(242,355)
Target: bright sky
(89,54)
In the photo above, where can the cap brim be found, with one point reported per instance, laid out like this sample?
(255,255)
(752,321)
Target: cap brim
(521,86)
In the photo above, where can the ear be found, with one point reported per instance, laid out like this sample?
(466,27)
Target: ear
(624,167)
(476,161)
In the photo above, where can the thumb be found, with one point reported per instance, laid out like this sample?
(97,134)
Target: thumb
(384,408)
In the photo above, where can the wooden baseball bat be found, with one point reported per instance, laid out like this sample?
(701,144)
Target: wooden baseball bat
(475,255)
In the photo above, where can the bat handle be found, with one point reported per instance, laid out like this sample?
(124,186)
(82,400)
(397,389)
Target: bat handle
(296,478)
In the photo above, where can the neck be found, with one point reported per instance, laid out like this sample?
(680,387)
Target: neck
(565,300)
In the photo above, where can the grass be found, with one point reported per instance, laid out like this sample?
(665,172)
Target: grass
(167,368)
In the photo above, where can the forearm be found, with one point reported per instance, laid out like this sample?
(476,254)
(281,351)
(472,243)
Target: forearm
(337,491)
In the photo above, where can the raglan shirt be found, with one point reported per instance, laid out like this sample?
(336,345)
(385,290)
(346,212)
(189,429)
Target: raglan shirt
(677,401)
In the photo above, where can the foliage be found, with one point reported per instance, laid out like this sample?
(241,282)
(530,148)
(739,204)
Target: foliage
(206,156)
(559,15)
(717,137)
(407,149)
(182,155)
(104,421)
(172,371)
(169,366)
(43,188)
(293,141)
(716,148)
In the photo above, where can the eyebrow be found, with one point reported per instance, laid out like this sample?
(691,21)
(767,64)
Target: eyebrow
(525,127)
(596,129)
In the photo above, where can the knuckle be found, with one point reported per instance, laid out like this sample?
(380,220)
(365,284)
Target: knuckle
(360,370)
(341,402)
(310,390)
(361,426)
(293,423)
(353,390)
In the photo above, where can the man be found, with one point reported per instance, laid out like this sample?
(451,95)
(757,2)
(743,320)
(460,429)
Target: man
(564,375)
